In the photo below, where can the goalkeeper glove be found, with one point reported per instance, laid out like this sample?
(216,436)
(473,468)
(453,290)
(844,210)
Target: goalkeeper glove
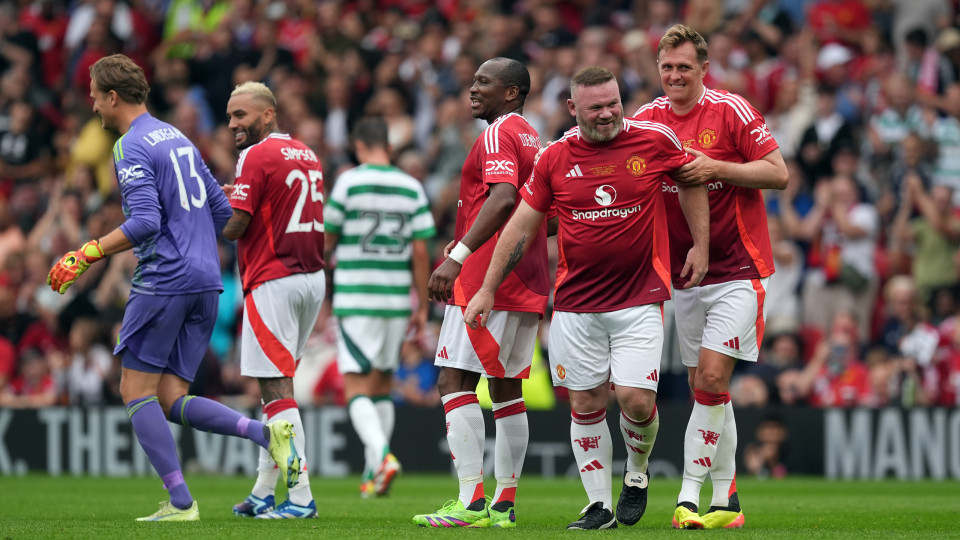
(72,265)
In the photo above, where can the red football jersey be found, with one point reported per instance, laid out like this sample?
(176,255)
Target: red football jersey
(280,184)
(613,242)
(726,128)
(503,153)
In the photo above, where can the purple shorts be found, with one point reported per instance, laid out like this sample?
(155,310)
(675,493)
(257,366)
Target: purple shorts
(167,333)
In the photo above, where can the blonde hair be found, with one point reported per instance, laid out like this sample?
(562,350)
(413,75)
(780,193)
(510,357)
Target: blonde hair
(256,89)
(679,34)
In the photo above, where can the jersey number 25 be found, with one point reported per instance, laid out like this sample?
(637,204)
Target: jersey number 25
(314,185)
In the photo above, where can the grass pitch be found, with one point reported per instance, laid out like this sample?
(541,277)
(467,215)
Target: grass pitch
(66,507)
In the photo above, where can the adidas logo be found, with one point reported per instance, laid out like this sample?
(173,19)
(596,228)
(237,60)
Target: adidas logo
(733,343)
(592,466)
(443,353)
(652,376)
(635,450)
(703,461)
(574,172)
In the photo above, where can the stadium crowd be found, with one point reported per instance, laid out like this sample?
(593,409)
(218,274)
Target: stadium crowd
(863,97)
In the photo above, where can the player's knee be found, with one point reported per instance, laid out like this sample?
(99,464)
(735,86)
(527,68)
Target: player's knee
(452,380)
(638,403)
(711,381)
(588,401)
(503,390)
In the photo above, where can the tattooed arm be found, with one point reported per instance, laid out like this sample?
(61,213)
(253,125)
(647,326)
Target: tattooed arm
(512,244)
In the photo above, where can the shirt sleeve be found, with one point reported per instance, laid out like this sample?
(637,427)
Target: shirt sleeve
(141,199)
(502,155)
(671,149)
(246,187)
(753,137)
(537,191)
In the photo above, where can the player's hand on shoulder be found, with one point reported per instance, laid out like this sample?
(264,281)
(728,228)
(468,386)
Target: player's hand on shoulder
(478,310)
(227,189)
(695,267)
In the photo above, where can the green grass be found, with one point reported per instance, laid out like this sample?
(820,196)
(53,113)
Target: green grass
(44,507)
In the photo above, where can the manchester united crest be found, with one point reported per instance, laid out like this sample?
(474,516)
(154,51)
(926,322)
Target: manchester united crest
(561,372)
(707,138)
(636,165)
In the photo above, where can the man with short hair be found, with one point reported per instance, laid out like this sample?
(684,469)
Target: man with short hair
(604,178)
(174,210)
(277,220)
(378,220)
(500,160)
(722,320)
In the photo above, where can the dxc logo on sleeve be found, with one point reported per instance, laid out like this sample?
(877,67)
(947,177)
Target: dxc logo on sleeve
(762,133)
(129,173)
(240,192)
(499,166)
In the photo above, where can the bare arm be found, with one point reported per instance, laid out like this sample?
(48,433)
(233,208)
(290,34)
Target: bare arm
(696,208)
(493,214)
(115,242)
(420,265)
(512,244)
(237,225)
(768,172)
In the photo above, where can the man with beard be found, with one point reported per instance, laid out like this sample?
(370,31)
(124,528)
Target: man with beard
(501,159)
(605,179)
(277,220)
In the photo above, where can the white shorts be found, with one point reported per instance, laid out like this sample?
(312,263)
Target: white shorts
(504,349)
(723,317)
(278,317)
(366,343)
(623,347)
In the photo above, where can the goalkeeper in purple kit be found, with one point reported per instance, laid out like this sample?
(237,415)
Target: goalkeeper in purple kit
(174,210)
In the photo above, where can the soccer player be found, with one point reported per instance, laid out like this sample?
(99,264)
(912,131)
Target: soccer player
(722,320)
(605,179)
(174,210)
(378,220)
(501,158)
(277,220)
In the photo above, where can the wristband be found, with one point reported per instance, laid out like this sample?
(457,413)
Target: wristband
(460,252)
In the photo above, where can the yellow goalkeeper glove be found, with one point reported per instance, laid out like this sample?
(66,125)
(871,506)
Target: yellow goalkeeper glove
(72,265)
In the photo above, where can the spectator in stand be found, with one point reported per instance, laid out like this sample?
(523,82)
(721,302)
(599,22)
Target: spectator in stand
(88,367)
(32,387)
(828,133)
(932,238)
(945,132)
(901,116)
(835,376)
(843,232)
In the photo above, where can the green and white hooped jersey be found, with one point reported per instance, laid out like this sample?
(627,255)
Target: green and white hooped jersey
(377,211)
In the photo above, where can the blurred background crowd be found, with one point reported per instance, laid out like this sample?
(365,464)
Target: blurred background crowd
(863,97)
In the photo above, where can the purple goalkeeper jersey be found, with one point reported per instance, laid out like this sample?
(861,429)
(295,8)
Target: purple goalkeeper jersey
(174,208)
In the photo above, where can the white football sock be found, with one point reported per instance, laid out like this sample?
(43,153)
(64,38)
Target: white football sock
(366,422)
(466,437)
(593,451)
(513,434)
(267,471)
(724,471)
(387,413)
(639,437)
(700,442)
